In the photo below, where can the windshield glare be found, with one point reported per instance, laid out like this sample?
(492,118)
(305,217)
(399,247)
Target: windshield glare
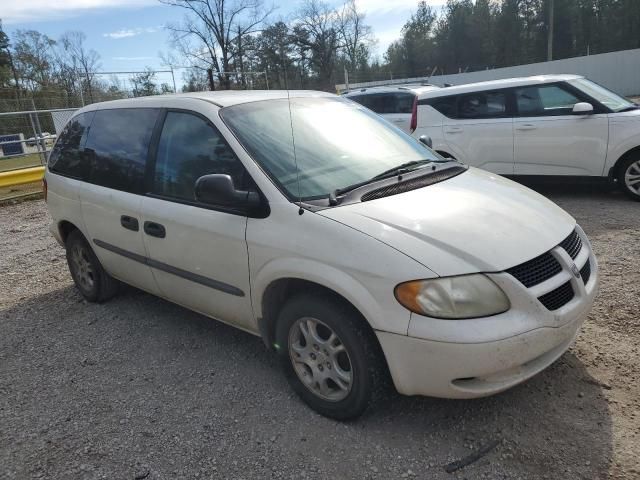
(337,143)
(609,99)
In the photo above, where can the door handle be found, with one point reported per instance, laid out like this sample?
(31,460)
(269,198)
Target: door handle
(526,126)
(453,130)
(154,229)
(130,223)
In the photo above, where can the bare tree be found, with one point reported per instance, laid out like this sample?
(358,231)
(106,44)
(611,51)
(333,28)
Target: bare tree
(84,61)
(218,27)
(356,37)
(317,28)
(32,57)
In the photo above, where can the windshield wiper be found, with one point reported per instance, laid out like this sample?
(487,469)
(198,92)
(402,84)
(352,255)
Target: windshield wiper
(629,109)
(398,170)
(402,168)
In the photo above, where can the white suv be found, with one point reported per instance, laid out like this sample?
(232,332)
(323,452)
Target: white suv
(354,252)
(396,104)
(544,125)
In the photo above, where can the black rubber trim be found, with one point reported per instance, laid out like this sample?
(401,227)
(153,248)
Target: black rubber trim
(178,272)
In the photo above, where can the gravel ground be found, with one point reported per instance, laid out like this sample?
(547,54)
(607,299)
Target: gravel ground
(140,388)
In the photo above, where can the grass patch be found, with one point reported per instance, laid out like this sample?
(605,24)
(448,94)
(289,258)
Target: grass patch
(11,163)
(20,190)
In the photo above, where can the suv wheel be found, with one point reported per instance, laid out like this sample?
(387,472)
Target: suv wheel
(90,278)
(629,177)
(329,358)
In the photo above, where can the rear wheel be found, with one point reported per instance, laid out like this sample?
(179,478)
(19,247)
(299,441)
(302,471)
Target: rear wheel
(629,177)
(94,283)
(330,358)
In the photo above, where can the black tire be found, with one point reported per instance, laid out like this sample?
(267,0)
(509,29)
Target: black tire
(629,165)
(367,367)
(93,282)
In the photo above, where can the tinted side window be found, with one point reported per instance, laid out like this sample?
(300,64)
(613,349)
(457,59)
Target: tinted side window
(67,156)
(189,148)
(547,100)
(482,105)
(403,103)
(118,142)
(364,100)
(445,105)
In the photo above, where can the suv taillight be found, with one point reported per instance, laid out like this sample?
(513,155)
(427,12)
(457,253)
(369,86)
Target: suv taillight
(44,188)
(414,115)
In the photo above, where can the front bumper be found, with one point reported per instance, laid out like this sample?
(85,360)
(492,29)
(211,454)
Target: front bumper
(480,357)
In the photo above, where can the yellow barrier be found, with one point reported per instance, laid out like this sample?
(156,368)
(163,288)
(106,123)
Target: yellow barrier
(21,176)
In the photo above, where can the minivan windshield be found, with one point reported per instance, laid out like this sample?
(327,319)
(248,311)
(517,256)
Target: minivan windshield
(606,97)
(337,143)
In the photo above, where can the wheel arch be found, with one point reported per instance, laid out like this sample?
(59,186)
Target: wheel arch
(65,227)
(276,293)
(614,170)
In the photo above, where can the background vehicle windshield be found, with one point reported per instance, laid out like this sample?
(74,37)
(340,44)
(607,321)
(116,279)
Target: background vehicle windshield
(338,143)
(611,100)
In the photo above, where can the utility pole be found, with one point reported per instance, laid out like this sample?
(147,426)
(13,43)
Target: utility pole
(550,31)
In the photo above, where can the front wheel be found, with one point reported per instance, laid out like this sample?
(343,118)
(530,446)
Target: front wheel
(329,356)
(629,177)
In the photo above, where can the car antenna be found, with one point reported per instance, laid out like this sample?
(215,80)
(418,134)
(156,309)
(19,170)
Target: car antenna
(295,157)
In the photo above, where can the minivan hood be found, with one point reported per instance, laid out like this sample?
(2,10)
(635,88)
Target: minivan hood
(474,222)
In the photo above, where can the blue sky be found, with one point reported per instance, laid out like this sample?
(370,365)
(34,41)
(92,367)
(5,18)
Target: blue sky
(130,34)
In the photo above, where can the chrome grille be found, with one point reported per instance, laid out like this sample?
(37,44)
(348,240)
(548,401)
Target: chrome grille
(545,266)
(536,271)
(585,272)
(558,297)
(572,244)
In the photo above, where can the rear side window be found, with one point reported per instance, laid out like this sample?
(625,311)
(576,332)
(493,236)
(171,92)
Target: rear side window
(386,103)
(189,148)
(445,105)
(67,156)
(118,144)
(482,105)
(403,102)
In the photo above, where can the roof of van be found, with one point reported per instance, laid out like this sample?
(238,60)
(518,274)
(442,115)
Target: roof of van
(415,88)
(495,84)
(223,98)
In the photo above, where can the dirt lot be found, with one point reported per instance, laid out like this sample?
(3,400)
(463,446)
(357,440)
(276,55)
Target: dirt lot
(139,388)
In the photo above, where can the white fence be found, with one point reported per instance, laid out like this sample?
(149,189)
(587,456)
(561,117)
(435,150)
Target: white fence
(618,71)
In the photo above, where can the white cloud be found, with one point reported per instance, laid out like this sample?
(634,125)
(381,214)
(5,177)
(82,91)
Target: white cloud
(28,11)
(130,32)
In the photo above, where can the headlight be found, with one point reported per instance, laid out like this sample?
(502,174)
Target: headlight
(467,296)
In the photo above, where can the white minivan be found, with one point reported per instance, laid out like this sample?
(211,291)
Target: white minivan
(396,104)
(354,251)
(563,125)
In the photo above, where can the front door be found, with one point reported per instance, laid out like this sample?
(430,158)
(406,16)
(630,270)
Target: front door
(550,140)
(197,253)
(481,134)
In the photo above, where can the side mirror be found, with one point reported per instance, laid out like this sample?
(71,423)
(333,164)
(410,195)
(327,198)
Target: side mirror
(218,189)
(582,108)
(426,140)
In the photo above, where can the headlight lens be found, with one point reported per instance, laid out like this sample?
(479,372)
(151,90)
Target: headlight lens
(467,296)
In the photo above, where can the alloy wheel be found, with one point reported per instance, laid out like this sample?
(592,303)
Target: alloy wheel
(632,177)
(320,359)
(83,268)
